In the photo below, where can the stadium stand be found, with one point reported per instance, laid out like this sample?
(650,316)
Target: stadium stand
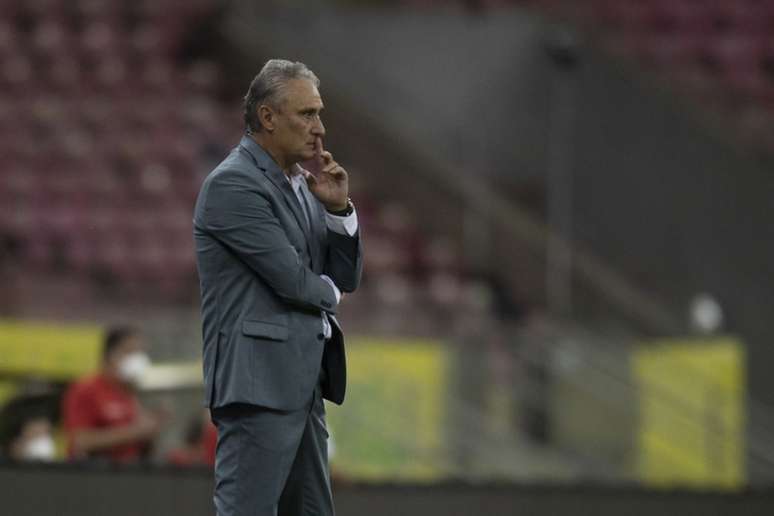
(107,128)
(109,122)
(74,74)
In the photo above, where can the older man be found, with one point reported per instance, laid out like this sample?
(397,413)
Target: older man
(275,246)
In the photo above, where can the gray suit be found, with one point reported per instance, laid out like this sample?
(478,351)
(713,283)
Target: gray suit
(265,357)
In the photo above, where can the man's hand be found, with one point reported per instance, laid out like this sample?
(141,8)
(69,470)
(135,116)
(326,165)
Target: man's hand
(331,184)
(145,428)
(150,422)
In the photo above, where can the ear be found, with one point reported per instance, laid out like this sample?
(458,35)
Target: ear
(266,117)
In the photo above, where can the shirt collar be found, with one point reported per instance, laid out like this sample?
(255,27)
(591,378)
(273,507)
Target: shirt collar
(296,178)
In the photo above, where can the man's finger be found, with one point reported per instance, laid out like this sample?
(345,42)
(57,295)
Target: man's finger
(329,166)
(318,148)
(337,172)
(327,157)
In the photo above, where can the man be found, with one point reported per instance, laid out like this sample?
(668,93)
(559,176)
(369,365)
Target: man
(102,416)
(275,246)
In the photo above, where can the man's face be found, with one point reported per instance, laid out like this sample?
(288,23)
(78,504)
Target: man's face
(297,122)
(128,361)
(128,346)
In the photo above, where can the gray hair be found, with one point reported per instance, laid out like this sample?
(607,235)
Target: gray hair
(267,88)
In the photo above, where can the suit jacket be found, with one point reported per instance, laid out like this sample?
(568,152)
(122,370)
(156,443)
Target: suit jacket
(261,293)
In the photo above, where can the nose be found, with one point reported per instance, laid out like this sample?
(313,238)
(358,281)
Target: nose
(318,129)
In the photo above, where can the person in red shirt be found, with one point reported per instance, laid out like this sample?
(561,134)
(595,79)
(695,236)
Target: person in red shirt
(198,448)
(102,415)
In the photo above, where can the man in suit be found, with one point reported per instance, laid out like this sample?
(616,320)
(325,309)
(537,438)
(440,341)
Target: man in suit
(275,247)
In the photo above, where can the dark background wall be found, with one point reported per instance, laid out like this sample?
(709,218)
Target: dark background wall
(677,209)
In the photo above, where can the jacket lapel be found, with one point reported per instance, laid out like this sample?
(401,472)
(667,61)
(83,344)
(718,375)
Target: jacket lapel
(270,168)
(280,181)
(316,226)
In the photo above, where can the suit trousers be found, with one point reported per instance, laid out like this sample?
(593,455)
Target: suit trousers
(272,462)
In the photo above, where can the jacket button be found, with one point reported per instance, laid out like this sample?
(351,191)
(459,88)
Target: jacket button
(320,336)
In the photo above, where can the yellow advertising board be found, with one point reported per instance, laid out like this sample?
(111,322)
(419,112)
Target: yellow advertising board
(56,351)
(691,413)
(391,424)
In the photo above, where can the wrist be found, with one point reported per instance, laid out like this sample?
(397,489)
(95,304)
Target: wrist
(344,210)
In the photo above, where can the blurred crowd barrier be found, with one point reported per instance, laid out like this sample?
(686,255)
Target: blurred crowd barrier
(490,402)
(66,490)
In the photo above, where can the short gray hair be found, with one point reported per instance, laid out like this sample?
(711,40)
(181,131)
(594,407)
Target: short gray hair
(267,88)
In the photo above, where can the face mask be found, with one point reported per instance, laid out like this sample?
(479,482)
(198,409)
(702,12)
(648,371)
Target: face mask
(39,448)
(133,367)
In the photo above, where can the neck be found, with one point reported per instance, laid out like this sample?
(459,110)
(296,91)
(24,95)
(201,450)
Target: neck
(265,141)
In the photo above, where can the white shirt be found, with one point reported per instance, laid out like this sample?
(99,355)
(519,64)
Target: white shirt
(346,225)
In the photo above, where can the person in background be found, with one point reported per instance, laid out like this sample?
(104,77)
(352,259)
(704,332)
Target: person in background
(27,424)
(101,414)
(32,440)
(199,445)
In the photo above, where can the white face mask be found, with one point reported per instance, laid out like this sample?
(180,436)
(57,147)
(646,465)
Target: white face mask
(133,367)
(39,448)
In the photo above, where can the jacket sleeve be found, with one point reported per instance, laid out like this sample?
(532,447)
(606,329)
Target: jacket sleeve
(344,260)
(239,215)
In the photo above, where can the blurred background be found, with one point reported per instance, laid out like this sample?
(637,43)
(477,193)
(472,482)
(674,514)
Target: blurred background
(566,210)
